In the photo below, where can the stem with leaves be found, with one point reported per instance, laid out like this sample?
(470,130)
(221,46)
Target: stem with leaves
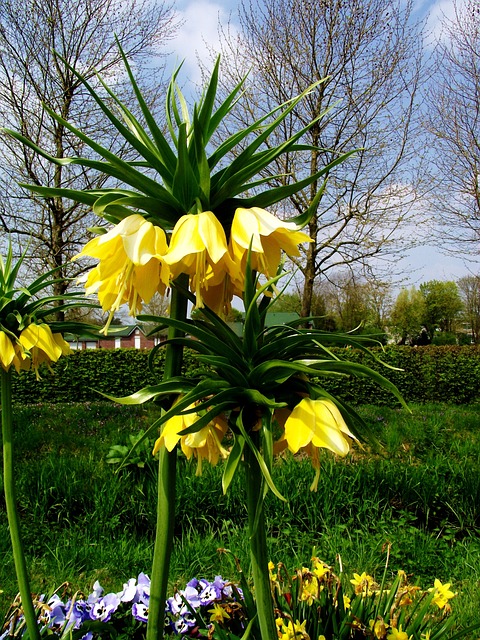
(166,495)
(12,513)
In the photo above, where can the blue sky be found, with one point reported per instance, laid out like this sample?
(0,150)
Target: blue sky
(201,17)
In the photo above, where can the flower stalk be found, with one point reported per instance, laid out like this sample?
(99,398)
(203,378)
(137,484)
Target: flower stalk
(166,494)
(10,501)
(254,486)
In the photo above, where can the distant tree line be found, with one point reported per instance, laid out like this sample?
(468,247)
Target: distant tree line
(437,312)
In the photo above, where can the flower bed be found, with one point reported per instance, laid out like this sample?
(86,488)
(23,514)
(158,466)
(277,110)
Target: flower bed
(310,604)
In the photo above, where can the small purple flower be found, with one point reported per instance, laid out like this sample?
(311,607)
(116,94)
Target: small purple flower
(103,609)
(129,592)
(96,593)
(176,604)
(181,626)
(143,588)
(77,612)
(212,591)
(140,612)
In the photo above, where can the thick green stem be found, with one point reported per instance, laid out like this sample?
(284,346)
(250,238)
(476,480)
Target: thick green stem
(166,489)
(12,513)
(258,545)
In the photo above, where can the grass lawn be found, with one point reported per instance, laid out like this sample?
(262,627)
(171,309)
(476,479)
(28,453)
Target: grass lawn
(419,495)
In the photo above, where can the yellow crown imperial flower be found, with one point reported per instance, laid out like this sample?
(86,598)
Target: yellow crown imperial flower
(315,424)
(320,423)
(268,235)
(7,351)
(204,444)
(198,247)
(131,269)
(41,346)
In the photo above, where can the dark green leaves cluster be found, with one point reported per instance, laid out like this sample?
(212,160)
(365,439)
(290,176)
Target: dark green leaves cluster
(248,377)
(178,175)
(22,305)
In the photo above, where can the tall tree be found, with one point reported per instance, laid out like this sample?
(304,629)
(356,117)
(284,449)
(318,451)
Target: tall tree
(407,316)
(454,124)
(443,305)
(355,302)
(469,288)
(42,44)
(369,51)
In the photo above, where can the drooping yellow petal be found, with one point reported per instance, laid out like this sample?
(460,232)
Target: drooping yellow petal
(131,269)
(318,422)
(40,336)
(198,248)
(195,234)
(169,436)
(7,351)
(268,237)
(204,444)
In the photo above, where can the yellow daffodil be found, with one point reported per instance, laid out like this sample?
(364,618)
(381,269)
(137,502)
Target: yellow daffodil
(310,590)
(442,593)
(320,569)
(363,584)
(131,269)
(218,614)
(268,236)
(198,247)
(398,634)
(379,628)
(291,631)
(203,444)
(40,346)
(346,602)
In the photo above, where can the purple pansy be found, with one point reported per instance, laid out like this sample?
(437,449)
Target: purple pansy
(103,609)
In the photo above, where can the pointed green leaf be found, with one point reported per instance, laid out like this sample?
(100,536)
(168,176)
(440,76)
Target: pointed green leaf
(233,460)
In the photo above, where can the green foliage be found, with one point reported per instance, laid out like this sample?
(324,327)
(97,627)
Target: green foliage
(407,315)
(443,304)
(82,521)
(427,374)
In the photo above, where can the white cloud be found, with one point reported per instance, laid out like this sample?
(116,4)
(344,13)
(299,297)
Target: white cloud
(441,12)
(199,36)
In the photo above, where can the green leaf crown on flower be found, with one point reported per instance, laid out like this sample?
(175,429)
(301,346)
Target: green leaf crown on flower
(267,380)
(183,206)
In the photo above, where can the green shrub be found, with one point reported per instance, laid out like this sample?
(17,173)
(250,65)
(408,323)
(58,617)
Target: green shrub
(447,373)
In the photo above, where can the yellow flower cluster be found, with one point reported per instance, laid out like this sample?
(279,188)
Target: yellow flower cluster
(136,261)
(288,630)
(311,425)
(442,594)
(35,345)
(204,444)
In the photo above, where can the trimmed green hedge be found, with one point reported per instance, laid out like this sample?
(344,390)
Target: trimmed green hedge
(429,374)
(449,374)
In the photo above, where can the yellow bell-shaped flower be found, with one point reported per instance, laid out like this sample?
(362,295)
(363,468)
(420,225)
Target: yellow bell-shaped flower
(320,423)
(41,346)
(131,269)
(198,247)
(268,236)
(204,444)
(315,424)
(7,351)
